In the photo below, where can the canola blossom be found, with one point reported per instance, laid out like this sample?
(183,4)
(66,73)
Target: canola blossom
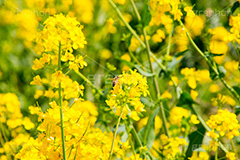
(125,96)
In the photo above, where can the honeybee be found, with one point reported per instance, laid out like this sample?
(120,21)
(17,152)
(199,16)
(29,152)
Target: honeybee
(115,80)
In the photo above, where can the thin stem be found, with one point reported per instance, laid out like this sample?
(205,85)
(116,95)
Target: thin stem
(125,23)
(234,93)
(89,82)
(234,148)
(130,140)
(148,50)
(134,33)
(115,134)
(169,42)
(156,84)
(60,101)
(136,60)
(216,154)
(134,132)
(135,10)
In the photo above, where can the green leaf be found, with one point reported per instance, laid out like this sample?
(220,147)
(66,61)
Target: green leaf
(234,7)
(237,89)
(185,100)
(166,107)
(195,139)
(172,65)
(213,75)
(216,55)
(144,73)
(146,15)
(237,110)
(147,133)
(180,53)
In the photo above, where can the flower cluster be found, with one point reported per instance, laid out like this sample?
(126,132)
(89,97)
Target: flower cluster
(125,96)
(83,141)
(181,121)
(12,125)
(199,156)
(63,30)
(162,6)
(224,123)
(27,26)
(234,21)
(193,76)
(171,146)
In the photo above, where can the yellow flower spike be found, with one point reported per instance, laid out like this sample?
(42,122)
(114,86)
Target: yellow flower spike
(128,89)
(61,28)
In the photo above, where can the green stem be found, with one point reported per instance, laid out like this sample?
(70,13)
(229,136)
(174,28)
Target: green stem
(136,60)
(89,82)
(169,42)
(134,132)
(114,136)
(60,101)
(130,140)
(135,10)
(234,93)
(216,154)
(134,33)
(234,148)
(156,84)
(125,23)
(151,67)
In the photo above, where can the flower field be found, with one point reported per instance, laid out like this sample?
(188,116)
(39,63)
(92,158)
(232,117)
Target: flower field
(119,79)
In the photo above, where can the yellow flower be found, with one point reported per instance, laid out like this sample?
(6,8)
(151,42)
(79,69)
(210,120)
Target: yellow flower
(214,88)
(110,26)
(194,94)
(126,93)
(27,26)
(189,11)
(159,36)
(194,25)
(105,54)
(171,146)
(176,115)
(126,57)
(120,1)
(61,29)
(231,156)
(225,123)
(194,119)
(83,10)
(199,156)
(134,44)
(36,80)
(27,123)
(202,76)
(166,94)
